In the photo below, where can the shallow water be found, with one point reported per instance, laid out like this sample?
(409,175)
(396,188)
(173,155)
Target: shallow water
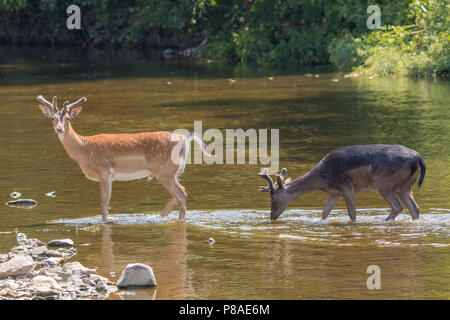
(299,256)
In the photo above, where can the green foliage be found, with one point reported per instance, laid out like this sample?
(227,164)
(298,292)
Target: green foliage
(344,52)
(104,22)
(284,32)
(418,49)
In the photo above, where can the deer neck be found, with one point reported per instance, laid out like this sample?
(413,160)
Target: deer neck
(73,143)
(307,183)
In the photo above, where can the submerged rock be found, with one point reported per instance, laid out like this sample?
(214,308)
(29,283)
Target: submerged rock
(22,203)
(60,243)
(137,275)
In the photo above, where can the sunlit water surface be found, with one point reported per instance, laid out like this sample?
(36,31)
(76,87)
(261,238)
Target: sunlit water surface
(299,256)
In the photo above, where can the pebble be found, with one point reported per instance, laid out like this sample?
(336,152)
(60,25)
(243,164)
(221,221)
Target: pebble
(15,195)
(51,194)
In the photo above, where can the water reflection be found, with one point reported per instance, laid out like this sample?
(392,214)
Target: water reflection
(166,254)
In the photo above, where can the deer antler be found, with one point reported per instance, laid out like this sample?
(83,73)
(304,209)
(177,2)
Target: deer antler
(69,106)
(283,177)
(265,175)
(51,105)
(280,178)
(281,182)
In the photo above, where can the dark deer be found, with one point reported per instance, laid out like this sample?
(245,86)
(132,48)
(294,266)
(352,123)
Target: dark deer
(391,169)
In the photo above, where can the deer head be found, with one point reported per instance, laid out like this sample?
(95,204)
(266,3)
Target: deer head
(60,118)
(278,195)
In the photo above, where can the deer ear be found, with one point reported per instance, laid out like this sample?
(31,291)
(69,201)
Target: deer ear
(46,111)
(75,111)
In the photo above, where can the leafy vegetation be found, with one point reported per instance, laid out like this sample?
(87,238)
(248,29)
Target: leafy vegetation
(420,48)
(414,41)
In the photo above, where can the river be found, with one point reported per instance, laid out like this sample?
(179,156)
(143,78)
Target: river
(298,256)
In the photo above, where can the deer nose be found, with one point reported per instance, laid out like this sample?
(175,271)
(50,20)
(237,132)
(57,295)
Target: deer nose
(59,129)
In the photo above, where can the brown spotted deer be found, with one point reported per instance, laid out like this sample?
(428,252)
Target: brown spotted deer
(391,169)
(121,157)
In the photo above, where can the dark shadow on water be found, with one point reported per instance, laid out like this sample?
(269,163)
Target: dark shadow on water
(32,65)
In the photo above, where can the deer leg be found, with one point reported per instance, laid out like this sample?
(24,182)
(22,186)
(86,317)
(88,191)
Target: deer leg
(179,193)
(329,206)
(349,198)
(396,206)
(182,197)
(105,195)
(408,201)
(169,206)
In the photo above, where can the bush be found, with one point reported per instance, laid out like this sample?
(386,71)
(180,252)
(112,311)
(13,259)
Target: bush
(419,49)
(286,33)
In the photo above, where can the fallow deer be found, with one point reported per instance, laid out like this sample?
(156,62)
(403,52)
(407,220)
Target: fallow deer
(121,157)
(391,169)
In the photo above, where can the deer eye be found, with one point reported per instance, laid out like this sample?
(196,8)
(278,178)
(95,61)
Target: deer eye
(54,118)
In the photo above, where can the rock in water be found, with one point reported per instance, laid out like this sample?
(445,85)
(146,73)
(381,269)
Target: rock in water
(18,265)
(15,195)
(60,243)
(22,203)
(137,275)
(21,238)
(51,194)
(168,53)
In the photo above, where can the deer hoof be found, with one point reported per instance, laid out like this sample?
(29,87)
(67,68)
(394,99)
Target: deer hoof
(109,221)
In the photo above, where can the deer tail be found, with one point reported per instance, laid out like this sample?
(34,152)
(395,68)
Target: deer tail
(423,169)
(186,145)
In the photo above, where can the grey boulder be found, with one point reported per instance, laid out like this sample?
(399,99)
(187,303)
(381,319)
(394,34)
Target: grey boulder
(16,266)
(60,243)
(137,275)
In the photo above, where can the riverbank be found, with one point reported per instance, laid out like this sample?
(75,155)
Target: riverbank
(411,39)
(32,271)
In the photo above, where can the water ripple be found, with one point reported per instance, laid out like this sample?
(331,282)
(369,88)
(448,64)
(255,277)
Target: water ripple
(306,226)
